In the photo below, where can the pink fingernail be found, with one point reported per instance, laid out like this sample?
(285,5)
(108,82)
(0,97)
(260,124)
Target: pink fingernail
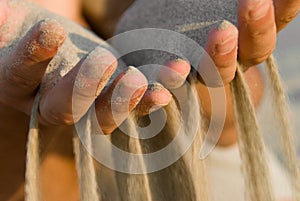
(162,95)
(128,91)
(175,74)
(97,63)
(132,84)
(97,67)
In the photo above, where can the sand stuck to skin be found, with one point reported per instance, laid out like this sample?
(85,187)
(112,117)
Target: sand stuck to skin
(78,44)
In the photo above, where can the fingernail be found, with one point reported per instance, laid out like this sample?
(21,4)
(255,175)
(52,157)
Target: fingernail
(174,75)
(129,90)
(161,94)
(156,97)
(96,69)
(133,84)
(177,60)
(260,10)
(97,63)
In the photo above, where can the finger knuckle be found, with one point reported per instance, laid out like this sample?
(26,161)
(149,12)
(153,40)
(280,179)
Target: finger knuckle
(288,17)
(227,74)
(32,52)
(256,33)
(22,81)
(258,59)
(225,63)
(107,131)
(57,118)
(227,79)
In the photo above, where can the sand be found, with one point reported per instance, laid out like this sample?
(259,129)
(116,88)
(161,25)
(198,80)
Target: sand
(193,18)
(78,44)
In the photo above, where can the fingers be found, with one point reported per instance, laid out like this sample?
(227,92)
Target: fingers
(22,69)
(3,13)
(155,98)
(11,18)
(71,98)
(257,31)
(114,105)
(221,46)
(174,74)
(285,12)
(171,76)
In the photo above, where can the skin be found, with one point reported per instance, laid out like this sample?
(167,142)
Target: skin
(252,42)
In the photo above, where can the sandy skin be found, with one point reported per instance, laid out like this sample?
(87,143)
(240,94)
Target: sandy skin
(39,49)
(18,152)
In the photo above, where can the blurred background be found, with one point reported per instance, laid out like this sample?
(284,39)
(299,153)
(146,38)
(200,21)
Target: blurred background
(288,58)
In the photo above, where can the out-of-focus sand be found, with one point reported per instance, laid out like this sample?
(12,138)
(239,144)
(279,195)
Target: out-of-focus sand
(288,57)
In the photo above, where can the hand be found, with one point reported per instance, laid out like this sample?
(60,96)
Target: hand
(21,79)
(21,72)
(252,42)
(255,35)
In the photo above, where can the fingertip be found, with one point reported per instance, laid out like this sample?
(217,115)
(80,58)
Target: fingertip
(182,67)
(3,14)
(51,34)
(174,74)
(226,26)
(133,85)
(157,95)
(3,17)
(221,46)
(133,78)
(250,11)
(125,92)
(115,104)
(222,39)
(155,98)
(227,74)
(41,42)
(99,65)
